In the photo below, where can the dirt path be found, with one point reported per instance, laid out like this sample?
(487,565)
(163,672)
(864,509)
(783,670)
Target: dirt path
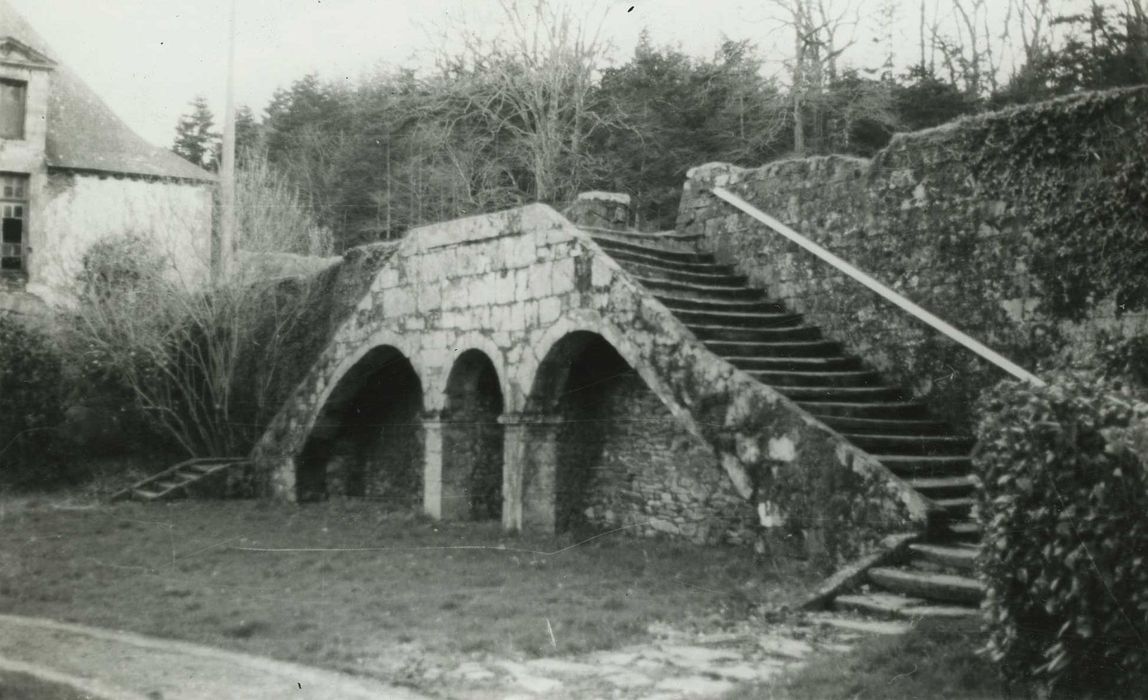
(121,665)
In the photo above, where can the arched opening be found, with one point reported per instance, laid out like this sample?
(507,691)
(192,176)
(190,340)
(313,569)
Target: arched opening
(368,438)
(581,390)
(472,440)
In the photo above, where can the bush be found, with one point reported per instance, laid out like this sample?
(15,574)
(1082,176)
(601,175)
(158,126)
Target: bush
(204,365)
(119,265)
(1063,504)
(32,405)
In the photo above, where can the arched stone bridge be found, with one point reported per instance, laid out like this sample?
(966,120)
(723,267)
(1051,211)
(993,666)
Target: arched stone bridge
(507,366)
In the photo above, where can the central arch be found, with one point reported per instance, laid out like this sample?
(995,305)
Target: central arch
(367,440)
(577,399)
(472,440)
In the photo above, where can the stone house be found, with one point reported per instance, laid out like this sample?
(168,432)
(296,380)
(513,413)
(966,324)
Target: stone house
(72,173)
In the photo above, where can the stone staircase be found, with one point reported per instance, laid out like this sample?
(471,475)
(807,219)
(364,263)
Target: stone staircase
(775,346)
(180,479)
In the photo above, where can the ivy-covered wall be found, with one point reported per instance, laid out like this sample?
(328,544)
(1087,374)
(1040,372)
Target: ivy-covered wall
(1027,229)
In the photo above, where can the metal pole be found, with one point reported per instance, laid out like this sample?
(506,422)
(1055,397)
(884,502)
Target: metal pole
(227,167)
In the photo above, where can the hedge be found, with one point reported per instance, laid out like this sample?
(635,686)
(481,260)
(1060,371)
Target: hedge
(31,403)
(1064,507)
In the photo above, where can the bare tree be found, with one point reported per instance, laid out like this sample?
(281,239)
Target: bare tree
(818,43)
(533,86)
(202,361)
(1034,19)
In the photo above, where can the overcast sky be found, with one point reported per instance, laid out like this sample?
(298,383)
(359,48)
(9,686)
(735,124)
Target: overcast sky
(148,58)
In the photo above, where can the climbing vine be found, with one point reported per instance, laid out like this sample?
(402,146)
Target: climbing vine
(1078,168)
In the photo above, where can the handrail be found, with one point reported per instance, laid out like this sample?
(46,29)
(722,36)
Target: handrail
(881,290)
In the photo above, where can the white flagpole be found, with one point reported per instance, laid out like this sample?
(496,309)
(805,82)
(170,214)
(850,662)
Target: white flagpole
(227,167)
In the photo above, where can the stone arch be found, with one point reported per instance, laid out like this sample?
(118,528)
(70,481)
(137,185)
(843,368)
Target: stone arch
(437,382)
(590,321)
(366,439)
(572,406)
(472,439)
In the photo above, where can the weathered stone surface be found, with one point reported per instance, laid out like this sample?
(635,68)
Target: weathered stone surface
(696,686)
(879,627)
(777,645)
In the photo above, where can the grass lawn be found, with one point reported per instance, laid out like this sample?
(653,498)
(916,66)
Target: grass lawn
(936,659)
(354,588)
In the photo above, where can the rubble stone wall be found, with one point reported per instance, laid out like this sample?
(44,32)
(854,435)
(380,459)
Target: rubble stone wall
(958,220)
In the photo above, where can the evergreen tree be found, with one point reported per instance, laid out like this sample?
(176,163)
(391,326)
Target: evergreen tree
(194,138)
(247,137)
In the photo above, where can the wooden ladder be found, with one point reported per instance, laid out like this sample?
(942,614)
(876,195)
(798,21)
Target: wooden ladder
(172,481)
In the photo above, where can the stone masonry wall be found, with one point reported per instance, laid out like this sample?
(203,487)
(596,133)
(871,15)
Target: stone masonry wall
(512,286)
(654,478)
(928,218)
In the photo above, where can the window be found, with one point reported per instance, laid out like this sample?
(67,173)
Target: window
(14,212)
(12,96)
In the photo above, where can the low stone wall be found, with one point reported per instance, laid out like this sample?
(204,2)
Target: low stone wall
(941,217)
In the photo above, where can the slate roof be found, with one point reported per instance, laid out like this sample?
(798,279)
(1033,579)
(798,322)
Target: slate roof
(83,132)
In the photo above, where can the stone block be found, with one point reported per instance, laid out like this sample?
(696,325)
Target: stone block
(520,250)
(538,284)
(549,310)
(517,316)
(502,287)
(601,273)
(563,276)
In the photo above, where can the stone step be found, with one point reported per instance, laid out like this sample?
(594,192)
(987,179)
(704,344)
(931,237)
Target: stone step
(627,258)
(911,466)
(858,409)
(949,588)
(802,364)
(911,444)
(796,348)
(960,557)
(706,279)
(828,379)
(964,531)
(945,486)
(657,237)
(852,623)
(679,302)
(611,243)
(755,335)
(739,320)
(883,426)
(841,393)
(700,291)
(898,606)
(959,507)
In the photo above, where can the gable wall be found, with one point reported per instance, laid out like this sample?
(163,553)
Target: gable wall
(77,210)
